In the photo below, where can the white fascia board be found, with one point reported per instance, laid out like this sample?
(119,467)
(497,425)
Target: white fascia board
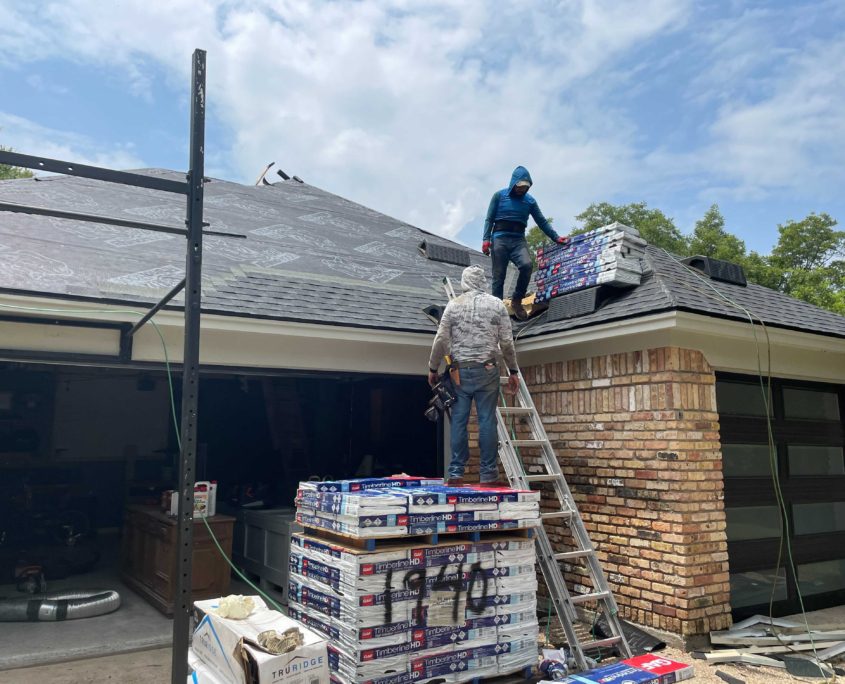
(228,340)
(603,331)
(728,345)
(614,337)
(742,330)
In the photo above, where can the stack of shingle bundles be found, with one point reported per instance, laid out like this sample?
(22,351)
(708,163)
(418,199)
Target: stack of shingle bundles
(464,509)
(416,509)
(612,255)
(366,508)
(369,483)
(367,513)
(358,600)
(500,586)
(412,613)
(408,611)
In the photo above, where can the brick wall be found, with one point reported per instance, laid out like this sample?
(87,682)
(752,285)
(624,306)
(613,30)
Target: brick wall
(637,436)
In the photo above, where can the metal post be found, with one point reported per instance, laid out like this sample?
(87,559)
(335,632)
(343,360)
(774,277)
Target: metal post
(190,377)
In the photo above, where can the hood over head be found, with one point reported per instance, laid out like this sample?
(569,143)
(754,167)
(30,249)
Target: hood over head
(473,278)
(520,173)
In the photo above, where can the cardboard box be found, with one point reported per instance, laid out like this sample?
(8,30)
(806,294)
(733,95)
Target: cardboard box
(230,648)
(202,673)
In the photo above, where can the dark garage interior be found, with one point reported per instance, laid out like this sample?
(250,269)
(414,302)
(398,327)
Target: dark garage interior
(80,444)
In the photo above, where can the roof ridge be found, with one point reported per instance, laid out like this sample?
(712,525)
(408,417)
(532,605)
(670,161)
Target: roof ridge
(673,302)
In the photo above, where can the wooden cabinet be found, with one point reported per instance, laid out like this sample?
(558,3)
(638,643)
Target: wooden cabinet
(148,559)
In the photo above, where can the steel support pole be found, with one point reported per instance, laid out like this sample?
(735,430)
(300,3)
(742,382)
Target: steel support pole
(158,307)
(190,377)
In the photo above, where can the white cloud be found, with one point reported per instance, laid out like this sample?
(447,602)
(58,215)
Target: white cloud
(421,108)
(32,138)
(793,138)
(417,108)
(768,111)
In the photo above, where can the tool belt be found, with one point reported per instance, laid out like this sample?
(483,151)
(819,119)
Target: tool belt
(509,227)
(475,364)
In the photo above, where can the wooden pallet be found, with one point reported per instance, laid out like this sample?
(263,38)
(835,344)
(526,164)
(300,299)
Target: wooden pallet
(431,539)
(528,303)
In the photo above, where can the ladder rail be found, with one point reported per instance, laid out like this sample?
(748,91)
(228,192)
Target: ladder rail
(564,602)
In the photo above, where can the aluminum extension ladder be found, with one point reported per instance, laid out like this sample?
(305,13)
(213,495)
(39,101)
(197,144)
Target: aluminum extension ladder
(550,561)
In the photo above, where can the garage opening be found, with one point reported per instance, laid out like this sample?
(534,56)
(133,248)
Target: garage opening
(808,429)
(86,454)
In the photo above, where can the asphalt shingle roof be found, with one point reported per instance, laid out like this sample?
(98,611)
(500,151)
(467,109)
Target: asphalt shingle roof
(308,256)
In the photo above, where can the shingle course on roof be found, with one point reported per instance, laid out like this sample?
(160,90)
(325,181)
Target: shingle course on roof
(308,255)
(674,286)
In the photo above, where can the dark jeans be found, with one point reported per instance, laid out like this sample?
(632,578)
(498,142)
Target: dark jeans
(482,385)
(513,248)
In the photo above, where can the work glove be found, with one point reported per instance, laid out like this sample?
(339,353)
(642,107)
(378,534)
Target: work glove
(513,384)
(562,240)
(486,246)
(432,378)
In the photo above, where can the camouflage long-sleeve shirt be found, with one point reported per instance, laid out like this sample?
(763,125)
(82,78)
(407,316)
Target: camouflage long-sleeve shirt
(474,327)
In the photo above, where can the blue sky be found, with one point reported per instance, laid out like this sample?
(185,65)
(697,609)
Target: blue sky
(422,108)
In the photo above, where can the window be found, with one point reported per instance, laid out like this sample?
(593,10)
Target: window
(740,399)
(805,459)
(806,404)
(746,460)
(752,522)
(822,577)
(755,588)
(819,518)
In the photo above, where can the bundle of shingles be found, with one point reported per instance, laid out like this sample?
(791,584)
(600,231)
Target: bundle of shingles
(412,610)
(783,644)
(613,255)
(392,507)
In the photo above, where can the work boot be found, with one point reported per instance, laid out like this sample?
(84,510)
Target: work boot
(455,482)
(519,311)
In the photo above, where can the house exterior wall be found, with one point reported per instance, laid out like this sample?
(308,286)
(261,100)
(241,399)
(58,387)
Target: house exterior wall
(637,436)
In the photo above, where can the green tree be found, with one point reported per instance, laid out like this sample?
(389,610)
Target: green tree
(758,269)
(809,261)
(709,238)
(654,226)
(7,172)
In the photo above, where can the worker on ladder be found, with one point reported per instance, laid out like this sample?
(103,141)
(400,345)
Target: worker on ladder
(504,235)
(475,331)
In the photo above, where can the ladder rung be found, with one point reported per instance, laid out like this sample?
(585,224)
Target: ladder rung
(528,442)
(567,555)
(600,643)
(584,598)
(515,410)
(539,478)
(556,514)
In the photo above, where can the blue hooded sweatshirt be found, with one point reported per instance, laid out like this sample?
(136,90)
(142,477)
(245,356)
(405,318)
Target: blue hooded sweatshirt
(504,206)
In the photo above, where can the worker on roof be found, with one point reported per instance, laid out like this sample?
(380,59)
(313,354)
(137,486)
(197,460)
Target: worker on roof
(475,331)
(504,235)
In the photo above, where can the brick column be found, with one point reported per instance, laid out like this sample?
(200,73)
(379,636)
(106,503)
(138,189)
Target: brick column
(637,436)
